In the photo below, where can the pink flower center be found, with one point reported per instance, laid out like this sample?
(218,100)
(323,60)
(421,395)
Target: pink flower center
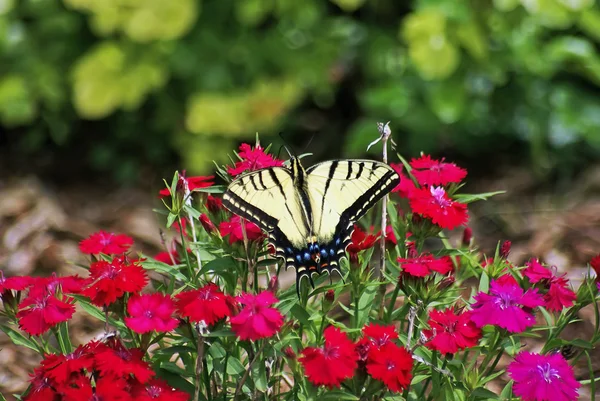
(390,365)
(505,301)
(547,373)
(331,352)
(110,272)
(381,340)
(106,239)
(149,314)
(153,391)
(439,194)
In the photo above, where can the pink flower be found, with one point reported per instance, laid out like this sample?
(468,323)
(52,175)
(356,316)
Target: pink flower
(233,228)
(104,242)
(428,171)
(506,306)
(257,319)
(206,304)
(151,312)
(168,257)
(18,283)
(543,377)
(252,159)
(423,265)
(157,390)
(558,295)
(435,204)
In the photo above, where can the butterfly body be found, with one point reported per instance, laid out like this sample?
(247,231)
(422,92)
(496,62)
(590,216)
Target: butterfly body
(309,215)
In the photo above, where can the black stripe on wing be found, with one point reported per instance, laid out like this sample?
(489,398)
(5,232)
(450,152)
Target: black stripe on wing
(244,209)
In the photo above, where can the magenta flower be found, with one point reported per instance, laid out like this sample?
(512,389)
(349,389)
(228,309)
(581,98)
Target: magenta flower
(258,319)
(150,312)
(506,306)
(543,377)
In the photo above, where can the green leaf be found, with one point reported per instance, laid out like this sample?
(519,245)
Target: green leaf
(484,282)
(365,302)
(168,270)
(234,366)
(506,393)
(64,341)
(19,339)
(469,198)
(96,312)
(215,189)
(484,393)
(338,395)
(171,219)
(301,314)
(259,376)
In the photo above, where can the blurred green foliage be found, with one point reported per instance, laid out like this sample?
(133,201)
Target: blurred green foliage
(195,76)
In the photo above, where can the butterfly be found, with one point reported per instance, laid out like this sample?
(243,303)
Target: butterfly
(309,215)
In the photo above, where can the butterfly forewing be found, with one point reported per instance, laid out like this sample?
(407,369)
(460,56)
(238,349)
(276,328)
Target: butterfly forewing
(268,198)
(341,192)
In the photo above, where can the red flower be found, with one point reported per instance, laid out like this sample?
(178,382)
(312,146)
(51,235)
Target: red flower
(391,365)
(103,242)
(41,388)
(595,263)
(116,360)
(451,332)
(436,172)
(206,304)
(214,204)
(18,283)
(390,236)
(106,389)
(168,258)
(435,204)
(151,312)
(158,390)
(233,228)
(37,314)
(331,364)
(423,265)
(41,286)
(257,319)
(360,242)
(374,336)
(406,185)
(191,182)
(61,368)
(252,159)
(109,281)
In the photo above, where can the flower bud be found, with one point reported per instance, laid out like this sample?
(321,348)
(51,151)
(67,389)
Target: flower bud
(207,224)
(505,249)
(467,237)
(273,285)
(330,296)
(289,353)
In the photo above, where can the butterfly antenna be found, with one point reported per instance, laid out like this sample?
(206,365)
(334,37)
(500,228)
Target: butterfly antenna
(285,145)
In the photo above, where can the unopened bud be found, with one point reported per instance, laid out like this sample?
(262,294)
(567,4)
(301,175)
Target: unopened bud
(207,224)
(445,283)
(289,353)
(330,296)
(467,237)
(505,249)
(273,285)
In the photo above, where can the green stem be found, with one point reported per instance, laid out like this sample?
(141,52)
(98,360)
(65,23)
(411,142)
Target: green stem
(490,354)
(390,310)
(247,372)
(187,257)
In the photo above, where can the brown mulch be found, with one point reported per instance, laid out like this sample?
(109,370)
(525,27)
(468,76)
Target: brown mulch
(40,227)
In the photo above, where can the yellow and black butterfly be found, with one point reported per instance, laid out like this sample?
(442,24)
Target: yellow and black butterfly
(309,215)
